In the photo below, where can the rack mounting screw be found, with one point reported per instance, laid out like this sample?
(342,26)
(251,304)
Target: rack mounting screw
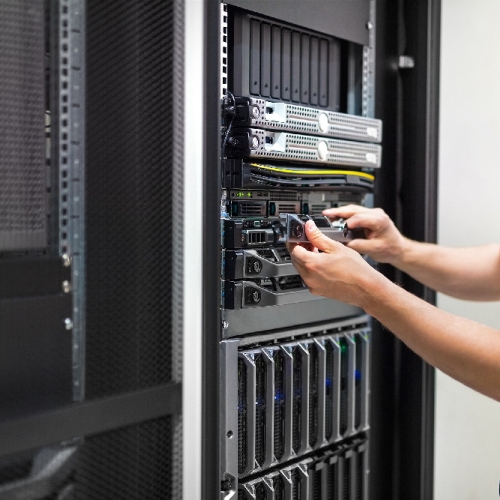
(68,324)
(66,286)
(255,142)
(255,112)
(225,325)
(369,25)
(66,260)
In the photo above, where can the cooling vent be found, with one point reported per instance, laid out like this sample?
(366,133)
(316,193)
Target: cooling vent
(283,196)
(249,209)
(299,396)
(290,208)
(242,416)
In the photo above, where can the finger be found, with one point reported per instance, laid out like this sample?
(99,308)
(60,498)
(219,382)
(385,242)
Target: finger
(300,255)
(345,211)
(318,239)
(367,220)
(363,246)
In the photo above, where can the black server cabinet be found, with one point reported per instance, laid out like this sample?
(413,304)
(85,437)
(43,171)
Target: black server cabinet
(90,302)
(301,396)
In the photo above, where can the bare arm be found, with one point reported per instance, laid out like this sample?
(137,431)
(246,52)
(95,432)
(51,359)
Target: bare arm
(465,350)
(465,273)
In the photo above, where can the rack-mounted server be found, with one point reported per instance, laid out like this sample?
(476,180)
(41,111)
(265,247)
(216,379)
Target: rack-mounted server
(285,396)
(260,113)
(335,474)
(258,143)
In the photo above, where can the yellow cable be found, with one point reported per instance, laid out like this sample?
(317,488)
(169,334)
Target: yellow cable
(314,172)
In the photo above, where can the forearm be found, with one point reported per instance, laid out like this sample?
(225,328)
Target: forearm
(464,273)
(465,350)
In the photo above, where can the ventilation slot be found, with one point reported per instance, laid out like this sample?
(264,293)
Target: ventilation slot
(242,416)
(360,475)
(329,392)
(296,480)
(358,381)
(256,237)
(288,208)
(346,479)
(260,409)
(279,405)
(279,488)
(260,492)
(283,196)
(313,395)
(344,382)
(316,488)
(332,482)
(317,208)
(248,209)
(297,399)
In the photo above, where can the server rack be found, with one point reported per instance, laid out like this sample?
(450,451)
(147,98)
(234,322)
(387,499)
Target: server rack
(108,321)
(389,439)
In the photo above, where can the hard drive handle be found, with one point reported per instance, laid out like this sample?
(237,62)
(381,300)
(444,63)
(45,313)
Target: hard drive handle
(337,230)
(51,467)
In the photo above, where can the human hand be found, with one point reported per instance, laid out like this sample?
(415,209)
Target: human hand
(338,273)
(383,243)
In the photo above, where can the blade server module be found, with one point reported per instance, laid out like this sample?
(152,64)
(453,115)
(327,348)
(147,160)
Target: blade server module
(296,139)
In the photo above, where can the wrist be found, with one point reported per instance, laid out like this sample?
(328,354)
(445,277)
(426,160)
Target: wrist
(405,253)
(376,290)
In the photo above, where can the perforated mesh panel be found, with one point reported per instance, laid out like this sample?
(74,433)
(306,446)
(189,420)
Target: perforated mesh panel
(260,492)
(297,400)
(129,184)
(242,416)
(358,381)
(313,395)
(279,405)
(279,488)
(329,391)
(332,485)
(360,476)
(22,121)
(296,479)
(260,409)
(344,368)
(346,479)
(315,478)
(133,463)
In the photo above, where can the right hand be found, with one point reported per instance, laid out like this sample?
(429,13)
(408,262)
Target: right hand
(383,243)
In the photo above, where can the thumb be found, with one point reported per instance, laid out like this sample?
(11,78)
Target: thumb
(318,239)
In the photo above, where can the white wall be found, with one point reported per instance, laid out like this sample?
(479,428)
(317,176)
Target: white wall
(467,459)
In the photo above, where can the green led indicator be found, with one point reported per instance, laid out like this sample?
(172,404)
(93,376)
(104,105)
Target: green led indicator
(343,346)
(249,195)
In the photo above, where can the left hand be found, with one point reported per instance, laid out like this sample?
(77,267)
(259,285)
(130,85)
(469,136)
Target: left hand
(338,273)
